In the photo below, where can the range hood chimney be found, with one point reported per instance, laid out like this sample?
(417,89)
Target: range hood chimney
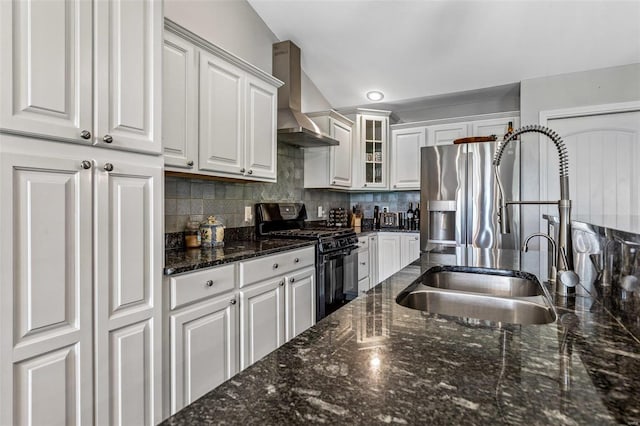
(294,128)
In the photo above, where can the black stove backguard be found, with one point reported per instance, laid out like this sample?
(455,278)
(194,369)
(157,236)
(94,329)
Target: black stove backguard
(279,216)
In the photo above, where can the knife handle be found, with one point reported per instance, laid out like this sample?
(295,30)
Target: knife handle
(473,139)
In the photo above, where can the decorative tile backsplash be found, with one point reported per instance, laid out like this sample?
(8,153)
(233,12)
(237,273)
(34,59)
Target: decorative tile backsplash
(195,199)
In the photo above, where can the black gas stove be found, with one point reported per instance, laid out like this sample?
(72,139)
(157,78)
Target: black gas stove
(287,220)
(336,259)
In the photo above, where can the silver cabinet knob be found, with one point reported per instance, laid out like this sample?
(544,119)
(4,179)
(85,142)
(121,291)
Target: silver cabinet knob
(292,280)
(190,163)
(232,301)
(209,283)
(107,139)
(365,184)
(363,263)
(395,186)
(334,182)
(416,238)
(275,266)
(296,260)
(85,134)
(281,283)
(86,164)
(108,167)
(250,172)
(242,170)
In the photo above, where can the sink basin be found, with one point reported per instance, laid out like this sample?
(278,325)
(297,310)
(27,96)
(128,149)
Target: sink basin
(486,294)
(486,281)
(468,305)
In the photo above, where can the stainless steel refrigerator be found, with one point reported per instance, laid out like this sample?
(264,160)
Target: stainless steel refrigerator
(459,196)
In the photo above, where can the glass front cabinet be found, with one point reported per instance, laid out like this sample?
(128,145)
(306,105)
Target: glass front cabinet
(372,168)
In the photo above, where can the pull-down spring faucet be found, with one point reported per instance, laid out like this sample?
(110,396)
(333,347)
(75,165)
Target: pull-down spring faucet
(564,243)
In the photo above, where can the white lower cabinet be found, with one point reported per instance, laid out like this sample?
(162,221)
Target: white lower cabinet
(79,284)
(373,261)
(262,318)
(300,294)
(223,319)
(203,348)
(396,250)
(388,254)
(409,248)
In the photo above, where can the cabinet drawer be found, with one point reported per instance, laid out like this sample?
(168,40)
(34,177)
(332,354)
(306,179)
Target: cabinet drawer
(363,285)
(363,243)
(278,264)
(201,285)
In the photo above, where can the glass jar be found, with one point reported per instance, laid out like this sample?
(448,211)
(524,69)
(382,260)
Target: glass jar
(192,238)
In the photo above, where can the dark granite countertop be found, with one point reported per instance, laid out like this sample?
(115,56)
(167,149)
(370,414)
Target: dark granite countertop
(177,261)
(374,362)
(375,231)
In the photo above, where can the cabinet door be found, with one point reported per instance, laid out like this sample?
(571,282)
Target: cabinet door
(405,157)
(363,264)
(179,103)
(45,68)
(300,301)
(261,149)
(498,126)
(445,134)
(410,249)
(373,144)
(388,255)
(203,349)
(341,165)
(45,289)
(373,261)
(221,116)
(128,276)
(262,320)
(128,84)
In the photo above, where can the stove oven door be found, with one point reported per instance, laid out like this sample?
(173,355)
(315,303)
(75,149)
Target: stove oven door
(337,280)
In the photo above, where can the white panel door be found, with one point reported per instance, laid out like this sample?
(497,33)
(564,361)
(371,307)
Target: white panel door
(410,249)
(341,163)
(179,103)
(128,241)
(203,349)
(45,289)
(261,149)
(445,134)
(604,153)
(45,68)
(128,69)
(221,116)
(388,255)
(262,320)
(405,157)
(300,301)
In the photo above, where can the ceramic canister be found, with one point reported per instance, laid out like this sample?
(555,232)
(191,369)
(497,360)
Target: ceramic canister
(212,232)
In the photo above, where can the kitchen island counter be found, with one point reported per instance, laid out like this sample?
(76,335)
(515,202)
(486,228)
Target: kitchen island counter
(375,362)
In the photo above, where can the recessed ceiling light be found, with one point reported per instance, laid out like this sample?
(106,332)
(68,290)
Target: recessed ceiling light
(375,95)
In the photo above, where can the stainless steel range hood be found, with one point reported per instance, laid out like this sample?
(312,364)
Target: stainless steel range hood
(294,128)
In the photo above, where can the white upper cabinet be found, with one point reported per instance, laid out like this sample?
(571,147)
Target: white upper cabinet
(231,103)
(496,126)
(54,91)
(260,136)
(405,157)
(45,68)
(221,116)
(330,166)
(180,105)
(445,134)
(372,147)
(128,85)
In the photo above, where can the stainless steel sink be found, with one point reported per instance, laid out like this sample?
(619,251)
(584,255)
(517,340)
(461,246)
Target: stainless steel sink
(486,294)
(486,283)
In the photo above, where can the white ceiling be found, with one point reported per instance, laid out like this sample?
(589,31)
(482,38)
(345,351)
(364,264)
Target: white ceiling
(414,49)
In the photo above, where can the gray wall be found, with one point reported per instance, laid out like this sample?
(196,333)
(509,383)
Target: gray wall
(601,86)
(196,199)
